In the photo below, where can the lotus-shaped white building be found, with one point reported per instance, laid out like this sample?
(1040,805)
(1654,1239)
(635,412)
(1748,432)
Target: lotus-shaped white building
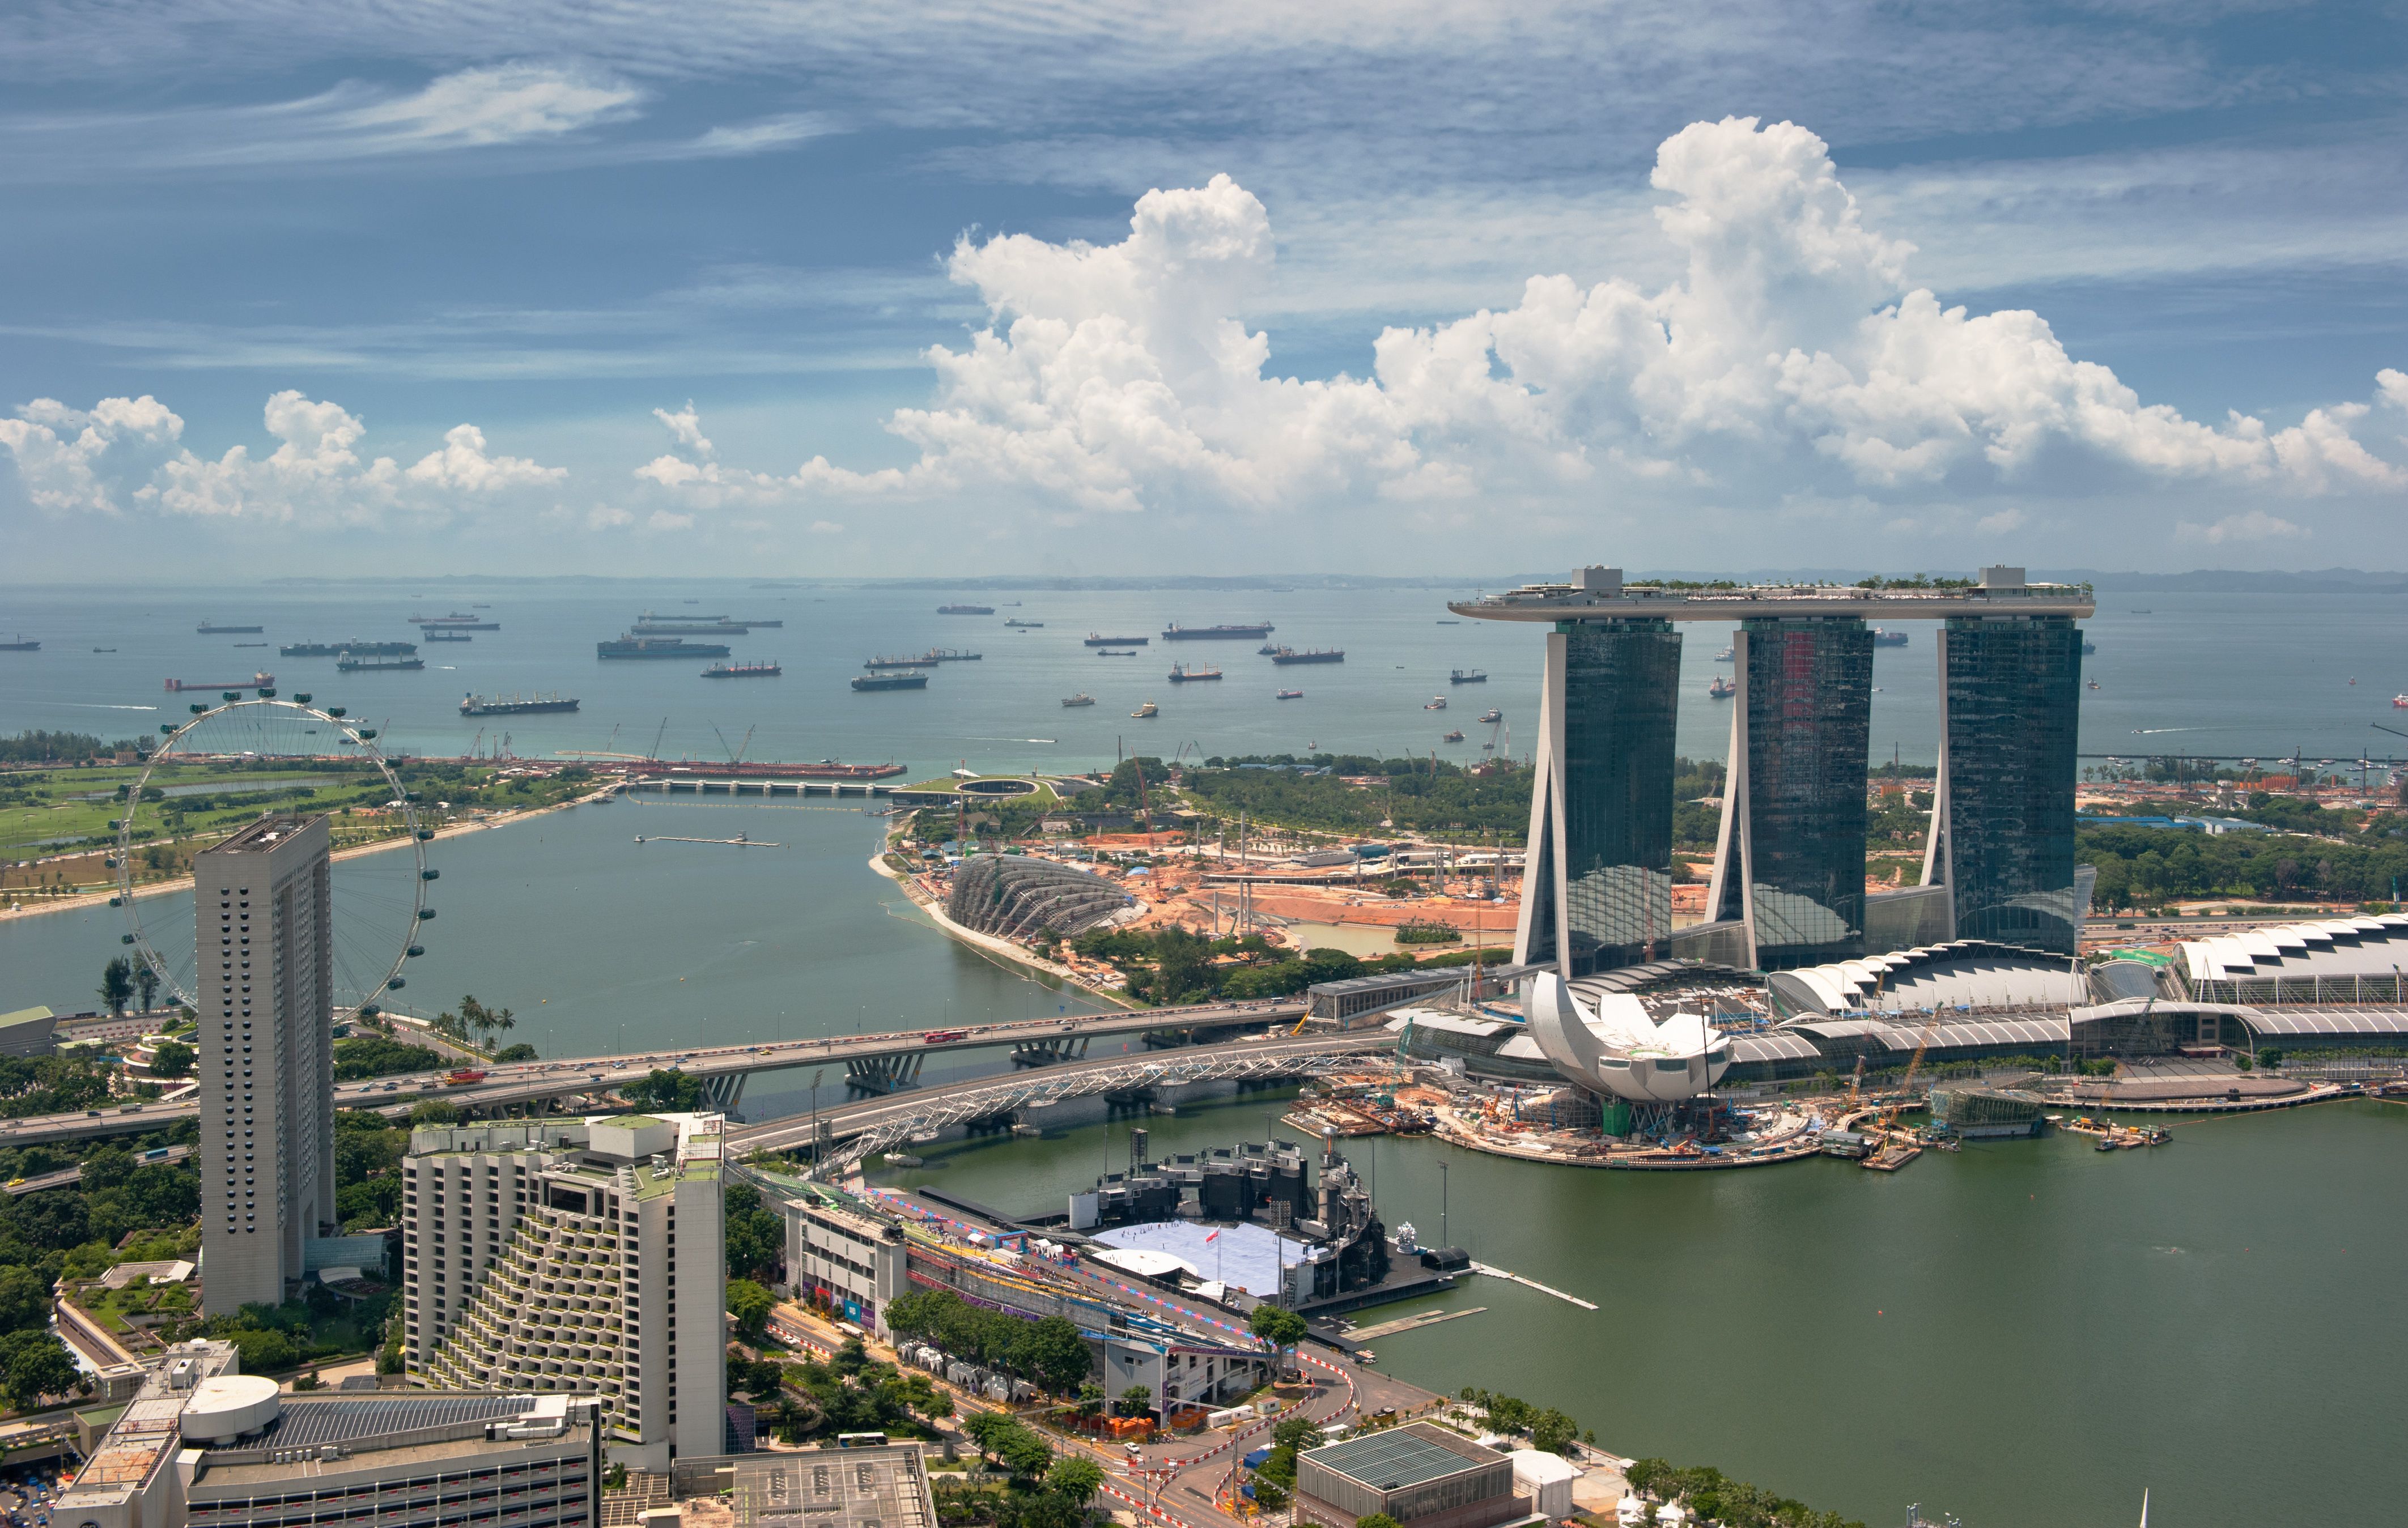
(1617,1050)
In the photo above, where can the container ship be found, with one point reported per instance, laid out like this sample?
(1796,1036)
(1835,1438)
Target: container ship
(1097,640)
(966,609)
(260,681)
(1885,638)
(1176,633)
(352,663)
(515,705)
(1315,655)
(210,629)
(769,670)
(912,679)
(1182,673)
(335,650)
(631,645)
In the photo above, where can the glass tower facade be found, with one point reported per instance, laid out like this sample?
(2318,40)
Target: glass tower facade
(1620,697)
(2014,707)
(1808,692)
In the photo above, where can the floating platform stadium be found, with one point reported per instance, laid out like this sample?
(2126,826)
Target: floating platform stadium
(1249,1218)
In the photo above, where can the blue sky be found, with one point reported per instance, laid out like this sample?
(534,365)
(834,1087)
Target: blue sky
(819,289)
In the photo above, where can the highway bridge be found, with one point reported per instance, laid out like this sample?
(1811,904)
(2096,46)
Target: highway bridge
(871,1125)
(882,1063)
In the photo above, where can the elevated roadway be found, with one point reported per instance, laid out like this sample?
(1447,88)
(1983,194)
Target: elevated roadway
(882,1061)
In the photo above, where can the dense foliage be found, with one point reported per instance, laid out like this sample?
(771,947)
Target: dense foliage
(1711,1495)
(2325,855)
(1048,1352)
(1547,1428)
(1412,795)
(373,1055)
(367,1169)
(668,1089)
(756,1237)
(848,1393)
(33,746)
(50,1085)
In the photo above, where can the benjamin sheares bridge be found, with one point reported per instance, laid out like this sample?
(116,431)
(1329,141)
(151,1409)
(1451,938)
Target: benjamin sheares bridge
(1788,884)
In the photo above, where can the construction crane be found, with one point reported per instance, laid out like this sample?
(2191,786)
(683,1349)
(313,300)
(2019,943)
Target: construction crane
(1855,1085)
(655,753)
(1906,1090)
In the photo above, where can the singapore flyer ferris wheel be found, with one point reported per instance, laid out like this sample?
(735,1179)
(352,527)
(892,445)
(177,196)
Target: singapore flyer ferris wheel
(236,760)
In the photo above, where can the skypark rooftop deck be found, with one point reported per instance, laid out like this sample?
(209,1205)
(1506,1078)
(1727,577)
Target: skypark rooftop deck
(1598,592)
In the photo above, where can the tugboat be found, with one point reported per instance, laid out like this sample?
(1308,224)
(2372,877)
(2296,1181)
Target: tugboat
(1437,702)
(1491,714)
(1722,689)
(1148,710)
(1181,672)
(1081,698)
(1455,736)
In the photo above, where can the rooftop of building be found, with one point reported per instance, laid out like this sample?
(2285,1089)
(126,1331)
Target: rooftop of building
(661,1150)
(1412,1455)
(1601,592)
(2368,945)
(336,1433)
(148,1434)
(265,834)
(830,1488)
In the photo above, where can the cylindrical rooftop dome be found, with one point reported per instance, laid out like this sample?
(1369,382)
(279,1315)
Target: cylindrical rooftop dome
(228,1406)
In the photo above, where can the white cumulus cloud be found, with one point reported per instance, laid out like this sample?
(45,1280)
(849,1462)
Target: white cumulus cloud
(113,456)
(1791,355)
(2250,525)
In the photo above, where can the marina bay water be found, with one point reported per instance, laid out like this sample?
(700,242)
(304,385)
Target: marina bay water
(2024,1332)
(2232,674)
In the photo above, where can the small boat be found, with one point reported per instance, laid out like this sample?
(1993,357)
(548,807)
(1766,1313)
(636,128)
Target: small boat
(1437,702)
(113,649)
(1148,710)
(1289,695)
(2400,701)
(1455,736)
(1722,689)
(2093,684)
(1081,698)
(1267,649)
(1726,655)
(1491,714)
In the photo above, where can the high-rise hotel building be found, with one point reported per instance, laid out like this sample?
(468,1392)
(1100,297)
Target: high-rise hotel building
(581,1256)
(263,927)
(1787,885)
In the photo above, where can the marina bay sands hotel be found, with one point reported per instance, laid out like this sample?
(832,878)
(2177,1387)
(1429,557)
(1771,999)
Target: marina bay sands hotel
(1788,882)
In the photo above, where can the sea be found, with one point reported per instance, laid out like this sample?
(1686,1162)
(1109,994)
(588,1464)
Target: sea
(2236,675)
(2208,1321)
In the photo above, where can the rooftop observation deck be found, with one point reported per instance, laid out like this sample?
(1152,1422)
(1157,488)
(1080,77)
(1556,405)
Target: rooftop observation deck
(1597,593)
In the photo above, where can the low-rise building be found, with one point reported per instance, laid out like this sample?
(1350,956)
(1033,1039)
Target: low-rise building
(546,1256)
(1420,1474)
(203,1444)
(839,1257)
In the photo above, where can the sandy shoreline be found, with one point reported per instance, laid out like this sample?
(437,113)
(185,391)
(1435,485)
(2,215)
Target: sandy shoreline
(184,883)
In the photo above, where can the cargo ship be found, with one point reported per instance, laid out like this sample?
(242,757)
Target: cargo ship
(1081,698)
(953,655)
(913,681)
(208,629)
(688,628)
(335,650)
(1181,672)
(454,619)
(1466,676)
(1315,655)
(1289,695)
(659,647)
(873,664)
(769,670)
(966,609)
(445,633)
(1176,633)
(432,627)
(1097,640)
(260,681)
(25,644)
(350,662)
(1722,689)
(1026,625)
(1884,637)
(515,705)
